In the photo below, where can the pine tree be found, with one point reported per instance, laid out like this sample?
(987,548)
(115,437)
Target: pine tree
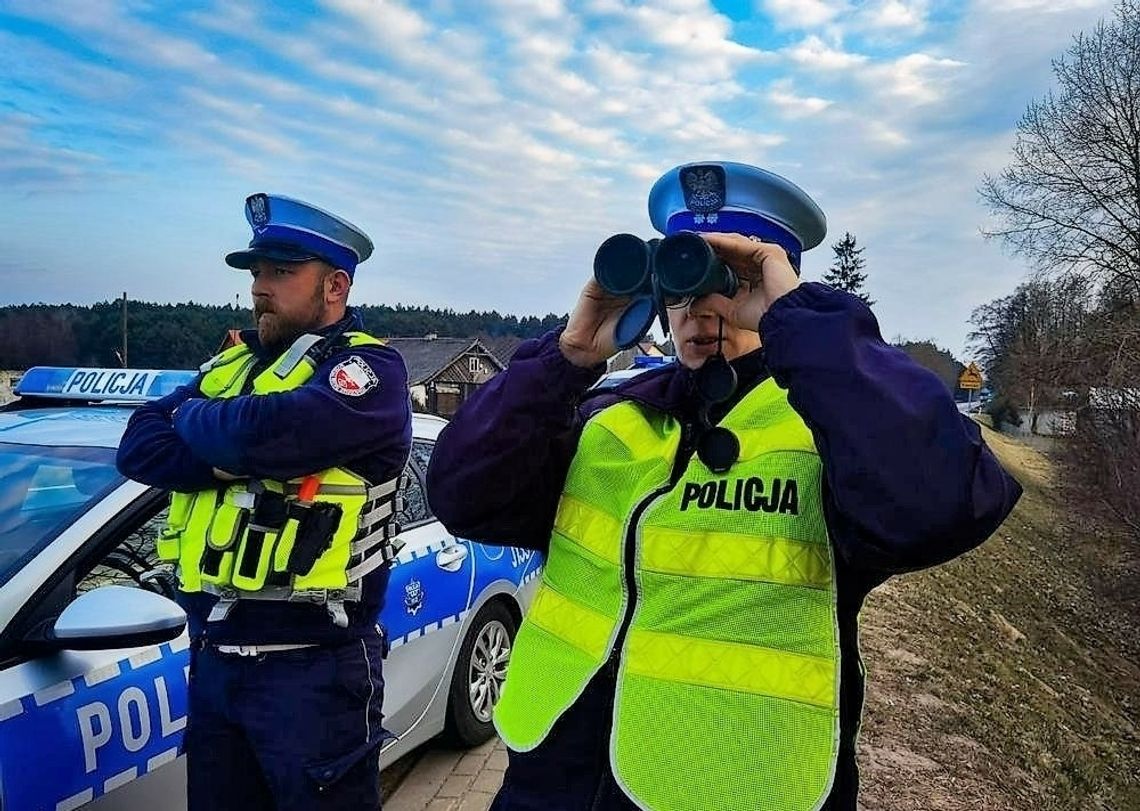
(846,273)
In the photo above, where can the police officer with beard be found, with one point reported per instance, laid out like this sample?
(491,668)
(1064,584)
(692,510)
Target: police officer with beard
(693,645)
(283,459)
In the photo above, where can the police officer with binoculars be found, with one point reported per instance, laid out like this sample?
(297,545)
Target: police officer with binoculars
(712,526)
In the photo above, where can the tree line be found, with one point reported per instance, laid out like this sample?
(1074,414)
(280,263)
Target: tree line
(1068,339)
(181,336)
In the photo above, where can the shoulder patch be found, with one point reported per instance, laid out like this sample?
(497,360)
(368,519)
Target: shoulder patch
(353,377)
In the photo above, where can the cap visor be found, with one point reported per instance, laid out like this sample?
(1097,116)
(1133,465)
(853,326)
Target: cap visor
(243,260)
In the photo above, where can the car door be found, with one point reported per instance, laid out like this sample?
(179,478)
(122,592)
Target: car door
(429,592)
(97,729)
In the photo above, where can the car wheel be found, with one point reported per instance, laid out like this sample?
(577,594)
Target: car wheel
(480,671)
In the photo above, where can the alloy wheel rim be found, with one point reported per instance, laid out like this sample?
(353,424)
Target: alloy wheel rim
(488,669)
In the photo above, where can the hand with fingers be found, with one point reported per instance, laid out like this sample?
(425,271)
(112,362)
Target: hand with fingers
(589,335)
(764,272)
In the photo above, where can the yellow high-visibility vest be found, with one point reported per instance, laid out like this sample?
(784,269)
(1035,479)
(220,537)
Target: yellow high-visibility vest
(210,535)
(719,590)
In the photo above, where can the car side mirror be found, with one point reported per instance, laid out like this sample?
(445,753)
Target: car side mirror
(116,617)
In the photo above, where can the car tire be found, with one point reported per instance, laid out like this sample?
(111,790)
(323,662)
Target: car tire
(478,677)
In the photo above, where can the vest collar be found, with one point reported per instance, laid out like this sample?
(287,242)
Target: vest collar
(671,388)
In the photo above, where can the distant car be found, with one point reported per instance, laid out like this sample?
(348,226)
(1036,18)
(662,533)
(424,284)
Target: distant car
(93,653)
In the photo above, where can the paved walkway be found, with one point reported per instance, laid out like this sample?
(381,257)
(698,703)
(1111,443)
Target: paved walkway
(447,780)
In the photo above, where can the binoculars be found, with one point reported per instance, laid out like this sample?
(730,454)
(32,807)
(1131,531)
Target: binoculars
(658,274)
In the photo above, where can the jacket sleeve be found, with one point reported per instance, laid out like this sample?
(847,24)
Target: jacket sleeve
(911,482)
(153,453)
(498,468)
(339,415)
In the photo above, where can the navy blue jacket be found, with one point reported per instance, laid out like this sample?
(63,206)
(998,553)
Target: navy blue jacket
(908,481)
(175,443)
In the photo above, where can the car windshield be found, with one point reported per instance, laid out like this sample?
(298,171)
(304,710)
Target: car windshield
(42,491)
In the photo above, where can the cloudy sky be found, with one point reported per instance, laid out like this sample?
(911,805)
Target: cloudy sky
(488,147)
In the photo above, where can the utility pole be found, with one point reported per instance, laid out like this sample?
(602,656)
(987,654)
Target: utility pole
(123,329)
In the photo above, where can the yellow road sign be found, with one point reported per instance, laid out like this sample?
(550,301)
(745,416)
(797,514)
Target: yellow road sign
(971,377)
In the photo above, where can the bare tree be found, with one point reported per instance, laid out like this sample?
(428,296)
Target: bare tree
(1030,342)
(1102,457)
(1070,200)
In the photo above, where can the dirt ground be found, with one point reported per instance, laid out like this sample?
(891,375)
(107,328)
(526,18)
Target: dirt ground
(1009,679)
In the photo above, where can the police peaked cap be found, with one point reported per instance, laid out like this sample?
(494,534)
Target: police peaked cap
(289,230)
(737,198)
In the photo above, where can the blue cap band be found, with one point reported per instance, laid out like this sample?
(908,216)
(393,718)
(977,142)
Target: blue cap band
(738,222)
(336,255)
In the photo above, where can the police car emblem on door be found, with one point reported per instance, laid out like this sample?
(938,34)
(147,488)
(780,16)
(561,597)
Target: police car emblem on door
(414,597)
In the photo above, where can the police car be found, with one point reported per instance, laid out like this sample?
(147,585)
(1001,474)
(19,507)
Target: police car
(640,365)
(93,653)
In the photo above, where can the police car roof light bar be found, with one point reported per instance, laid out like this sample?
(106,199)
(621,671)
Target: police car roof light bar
(101,385)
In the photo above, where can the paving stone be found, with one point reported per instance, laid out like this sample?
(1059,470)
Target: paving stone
(476,801)
(470,763)
(447,780)
(435,767)
(488,745)
(498,760)
(489,781)
(455,786)
(410,798)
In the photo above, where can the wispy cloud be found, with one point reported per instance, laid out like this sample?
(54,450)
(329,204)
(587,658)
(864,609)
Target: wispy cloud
(812,53)
(490,148)
(803,13)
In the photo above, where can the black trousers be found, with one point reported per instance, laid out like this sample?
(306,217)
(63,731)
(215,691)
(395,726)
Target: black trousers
(287,730)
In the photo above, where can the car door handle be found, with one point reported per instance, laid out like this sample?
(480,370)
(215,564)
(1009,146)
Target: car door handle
(451,558)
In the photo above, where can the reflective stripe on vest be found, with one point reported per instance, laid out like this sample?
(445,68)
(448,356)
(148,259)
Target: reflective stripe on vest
(209,533)
(728,686)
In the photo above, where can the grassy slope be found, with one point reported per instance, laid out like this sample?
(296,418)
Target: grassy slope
(1009,679)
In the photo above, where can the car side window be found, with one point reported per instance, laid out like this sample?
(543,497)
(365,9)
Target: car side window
(134,562)
(421,453)
(415,510)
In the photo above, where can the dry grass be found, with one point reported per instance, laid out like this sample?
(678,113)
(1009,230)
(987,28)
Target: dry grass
(1009,678)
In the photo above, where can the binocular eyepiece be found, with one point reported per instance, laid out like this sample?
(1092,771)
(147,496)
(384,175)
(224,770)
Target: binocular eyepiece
(661,273)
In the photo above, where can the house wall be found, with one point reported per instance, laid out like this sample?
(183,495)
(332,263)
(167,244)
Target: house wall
(8,380)
(1049,423)
(460,370)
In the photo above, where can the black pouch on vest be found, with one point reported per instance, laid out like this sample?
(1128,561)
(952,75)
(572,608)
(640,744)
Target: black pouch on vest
(270,511)
(316,526)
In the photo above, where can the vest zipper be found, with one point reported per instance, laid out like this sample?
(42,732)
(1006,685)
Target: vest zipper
(610,668)
(629,550)
(629,555)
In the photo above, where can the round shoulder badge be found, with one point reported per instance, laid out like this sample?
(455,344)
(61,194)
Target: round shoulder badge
(353,377)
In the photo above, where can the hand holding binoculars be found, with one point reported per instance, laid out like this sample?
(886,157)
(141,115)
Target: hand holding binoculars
(656,275)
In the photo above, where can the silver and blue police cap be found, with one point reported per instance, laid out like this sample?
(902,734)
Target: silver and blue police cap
(737,198)
(288,230)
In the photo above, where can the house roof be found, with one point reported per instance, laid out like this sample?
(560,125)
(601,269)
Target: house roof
(426,356)
(503,347)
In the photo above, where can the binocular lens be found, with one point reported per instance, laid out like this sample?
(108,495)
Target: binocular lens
(634,322)
(684,264)
(621,265)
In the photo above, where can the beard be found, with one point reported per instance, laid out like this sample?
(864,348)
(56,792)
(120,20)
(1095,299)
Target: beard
(277,329)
